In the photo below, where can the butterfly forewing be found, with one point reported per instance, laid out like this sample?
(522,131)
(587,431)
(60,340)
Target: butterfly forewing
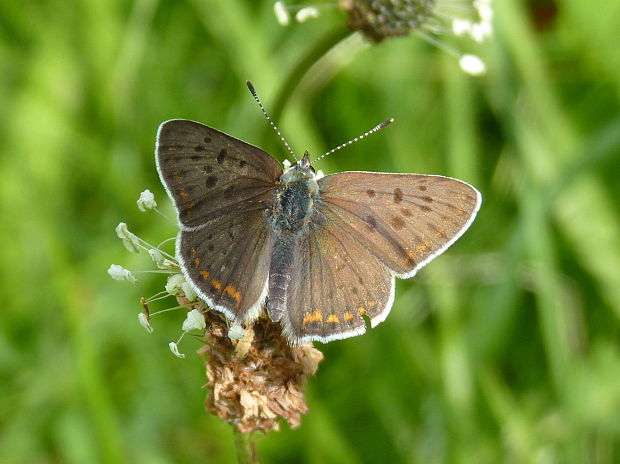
(207,172)
(337,282)
(405,220)
(220,187)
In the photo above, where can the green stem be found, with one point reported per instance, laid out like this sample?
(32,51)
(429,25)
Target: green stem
(302,67)
(245,447)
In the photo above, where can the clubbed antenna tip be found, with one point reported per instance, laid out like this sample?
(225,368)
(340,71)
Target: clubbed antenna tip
(365,134)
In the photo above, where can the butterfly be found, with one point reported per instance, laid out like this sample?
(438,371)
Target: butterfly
(320,252)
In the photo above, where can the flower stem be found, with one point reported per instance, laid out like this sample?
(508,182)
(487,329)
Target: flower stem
(245,447)
(302,67)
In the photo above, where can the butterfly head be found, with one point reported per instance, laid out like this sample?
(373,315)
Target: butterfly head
(300,171)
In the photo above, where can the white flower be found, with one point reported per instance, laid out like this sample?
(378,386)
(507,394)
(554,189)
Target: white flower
(473,65)
(306,13)
(120,273)
(173,285)
(194,320)
(175,350)
(144,322)
(129,240)
(281,13)
(146,201)
(236,332)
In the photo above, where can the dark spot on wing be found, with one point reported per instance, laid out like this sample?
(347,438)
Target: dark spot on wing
(354,290)
(422,188)
(406,212)
(427,199)
(222,155)
(208,169)
(211,181)
(425,208)
(372,223)
(195,158)
(207,139)
(231,234)
(370,193)
(360,280)
(209,237)
(199,148)
(242,163)
(210,248)
(397,223)
(398,195)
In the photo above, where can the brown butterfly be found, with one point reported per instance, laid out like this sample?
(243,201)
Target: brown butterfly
(322,252)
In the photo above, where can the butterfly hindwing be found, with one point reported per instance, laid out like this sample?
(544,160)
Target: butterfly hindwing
(337,282)
(227,261)
(404,220)
(207,173)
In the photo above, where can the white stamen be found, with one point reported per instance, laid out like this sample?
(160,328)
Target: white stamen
(188,291)
(156,256)
(306,13)
(144,322)
(120,273)
(146,201)
(194,320)
(174,284)
(175,350)
(130,241)
(281,13)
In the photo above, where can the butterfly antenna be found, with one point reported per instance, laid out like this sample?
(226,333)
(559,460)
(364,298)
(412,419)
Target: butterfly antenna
(359,137)
(255,95)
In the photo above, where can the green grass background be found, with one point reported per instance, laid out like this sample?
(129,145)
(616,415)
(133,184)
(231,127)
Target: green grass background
(505,349)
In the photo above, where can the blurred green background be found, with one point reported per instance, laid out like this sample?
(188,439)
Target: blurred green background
(505,349)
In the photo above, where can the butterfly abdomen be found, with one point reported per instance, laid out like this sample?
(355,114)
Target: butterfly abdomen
(282,257)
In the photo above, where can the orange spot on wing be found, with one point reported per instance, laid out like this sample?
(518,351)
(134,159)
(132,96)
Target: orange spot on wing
(197,262)
(348,316)
(217,285)
(234,293)
(372,304)
(316,316)
(205,275)
(177,175)
(361,310)
(410,258)
(193,251)
(183,194)
(333,318)
(423,247)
